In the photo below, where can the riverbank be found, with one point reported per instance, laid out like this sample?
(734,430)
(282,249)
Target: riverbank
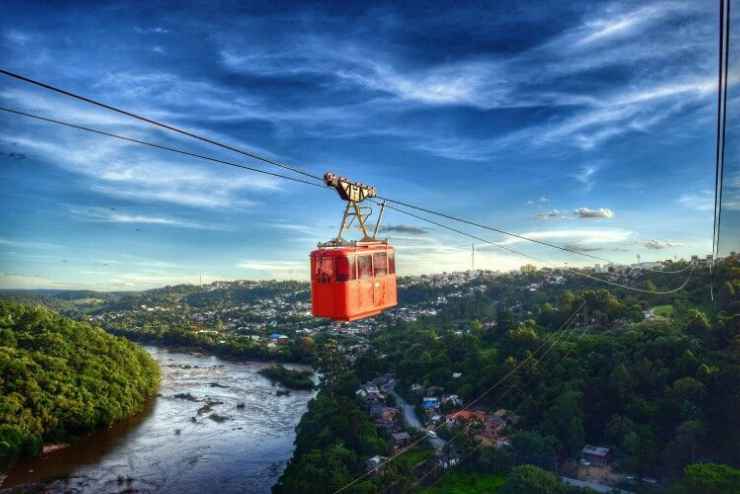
(236,351)
(239,442)
(64,379)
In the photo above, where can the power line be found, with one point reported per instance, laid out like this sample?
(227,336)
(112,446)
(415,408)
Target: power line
(574,271)
(724,42)
(266,160)
(158,124)
(540,359)
(157,146)
(492,228)
(471,403)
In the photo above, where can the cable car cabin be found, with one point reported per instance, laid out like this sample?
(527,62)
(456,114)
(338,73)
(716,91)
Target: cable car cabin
(350,282)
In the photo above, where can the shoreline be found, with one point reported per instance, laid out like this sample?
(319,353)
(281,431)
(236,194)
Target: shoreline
(58,484)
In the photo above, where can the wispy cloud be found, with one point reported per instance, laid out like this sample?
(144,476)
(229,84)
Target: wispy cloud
(553,214)
(111,216)
(587,175)
(123,171)
(584,236)
(27,244)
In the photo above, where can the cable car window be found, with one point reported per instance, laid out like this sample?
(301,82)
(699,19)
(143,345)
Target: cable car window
(380,260)
(345,268)
(325,269)
(364,267)
(391,263)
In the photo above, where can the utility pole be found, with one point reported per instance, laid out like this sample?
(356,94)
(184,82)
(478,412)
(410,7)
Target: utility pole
(472,257)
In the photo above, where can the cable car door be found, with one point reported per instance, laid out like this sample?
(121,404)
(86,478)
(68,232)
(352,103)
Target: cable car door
(380,270)
(365,281)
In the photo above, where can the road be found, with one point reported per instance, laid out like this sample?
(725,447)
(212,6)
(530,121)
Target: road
(411,420)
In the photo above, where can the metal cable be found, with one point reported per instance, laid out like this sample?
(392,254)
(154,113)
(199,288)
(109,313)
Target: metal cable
(498,383)
(158,146)
(159,124)
(574,271)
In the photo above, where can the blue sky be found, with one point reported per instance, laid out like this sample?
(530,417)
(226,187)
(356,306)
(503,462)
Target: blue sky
(586,124)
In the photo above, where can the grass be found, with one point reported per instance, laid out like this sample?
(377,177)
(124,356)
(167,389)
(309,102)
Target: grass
(413,457)
(467,483)
(663,310)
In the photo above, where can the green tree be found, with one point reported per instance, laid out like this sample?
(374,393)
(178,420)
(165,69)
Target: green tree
(528,479)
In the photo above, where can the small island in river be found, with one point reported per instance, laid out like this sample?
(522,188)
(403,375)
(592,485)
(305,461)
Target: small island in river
(292,379)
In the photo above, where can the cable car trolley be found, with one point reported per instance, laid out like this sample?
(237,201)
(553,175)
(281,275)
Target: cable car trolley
(353,279)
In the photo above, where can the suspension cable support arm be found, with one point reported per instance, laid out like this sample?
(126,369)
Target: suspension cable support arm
(348,190)
(353,193)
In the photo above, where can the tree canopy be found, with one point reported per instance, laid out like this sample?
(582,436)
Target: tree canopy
(60,378)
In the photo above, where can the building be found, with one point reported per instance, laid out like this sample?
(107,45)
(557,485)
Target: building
(466,417)
(595,455)
(430,402)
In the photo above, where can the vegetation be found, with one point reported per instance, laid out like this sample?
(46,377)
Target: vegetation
(293,379)
(661,393)
(709,478)
(665,310)
(467,483)
(60,378)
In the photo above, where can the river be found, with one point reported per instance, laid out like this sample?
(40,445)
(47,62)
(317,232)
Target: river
(240,445)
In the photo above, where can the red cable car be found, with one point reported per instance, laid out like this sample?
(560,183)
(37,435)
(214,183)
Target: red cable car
(353,280)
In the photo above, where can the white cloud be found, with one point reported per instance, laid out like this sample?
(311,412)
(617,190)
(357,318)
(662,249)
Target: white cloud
(588,213)
(659,244)
(698,201)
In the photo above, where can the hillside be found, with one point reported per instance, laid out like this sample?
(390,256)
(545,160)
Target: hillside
(61,378)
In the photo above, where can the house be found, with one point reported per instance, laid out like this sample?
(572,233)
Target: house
(375,463)
(430,402)
(595,455)
(493,427)
(400,438)
(466,417)
(280,339)
(389,414)
(452,400)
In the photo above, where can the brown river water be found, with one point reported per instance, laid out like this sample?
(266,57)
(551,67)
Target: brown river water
(241,444)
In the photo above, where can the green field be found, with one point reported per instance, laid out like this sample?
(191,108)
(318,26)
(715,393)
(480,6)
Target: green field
(663,311)
(466,483)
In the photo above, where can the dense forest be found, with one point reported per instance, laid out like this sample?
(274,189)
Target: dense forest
(654,377)
(61,378)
